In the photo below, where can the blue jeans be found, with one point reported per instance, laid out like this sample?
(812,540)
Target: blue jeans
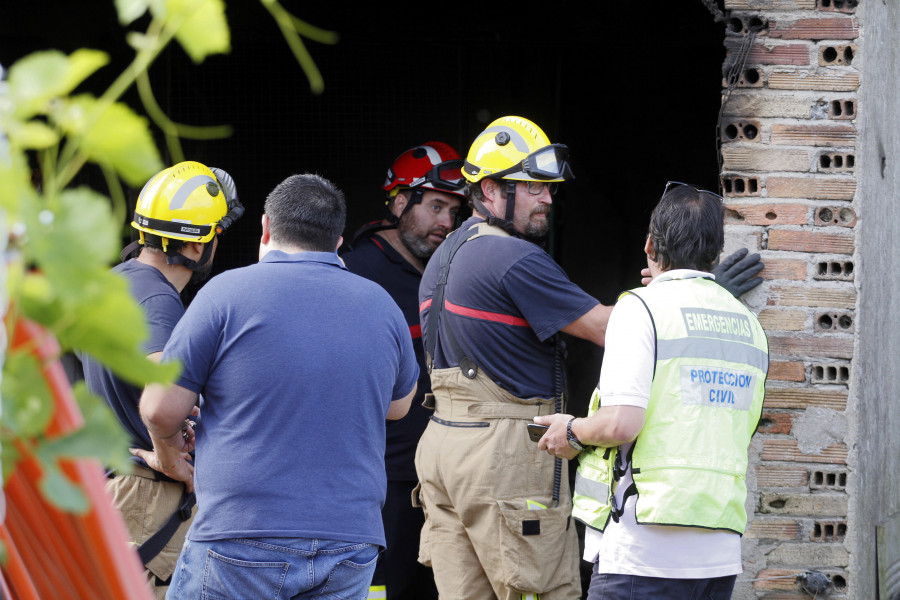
(608,586)
(273,568)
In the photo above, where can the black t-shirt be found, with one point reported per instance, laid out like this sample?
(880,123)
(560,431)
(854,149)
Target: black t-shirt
(505,299)
(375,259)
(162,306)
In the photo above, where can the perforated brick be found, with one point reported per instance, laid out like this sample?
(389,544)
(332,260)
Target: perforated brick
(834,270)
(841,56)
(842,6)
(735,185)
(836,162)
(833,321)
(840,216)
(830,373)
(749,78)
(828,479)
(743,24)
(842,109)
(743,130)
(828,531)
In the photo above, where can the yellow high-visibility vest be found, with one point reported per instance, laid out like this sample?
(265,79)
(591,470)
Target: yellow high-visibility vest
(690,460)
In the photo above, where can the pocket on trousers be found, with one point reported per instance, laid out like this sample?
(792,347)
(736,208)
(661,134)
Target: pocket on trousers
(425,534)
(532,545)
(232,578)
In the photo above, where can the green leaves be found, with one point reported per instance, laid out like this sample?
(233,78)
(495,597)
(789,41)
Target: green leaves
(27,405)
(79,222)
(204,30)
(199,25)
(40,77)
(121,138)
(130,10)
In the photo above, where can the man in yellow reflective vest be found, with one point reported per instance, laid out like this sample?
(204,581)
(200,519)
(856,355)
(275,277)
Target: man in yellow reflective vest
(663,451)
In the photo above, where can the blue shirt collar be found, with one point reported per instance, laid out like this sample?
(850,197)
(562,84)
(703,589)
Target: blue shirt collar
(327,258)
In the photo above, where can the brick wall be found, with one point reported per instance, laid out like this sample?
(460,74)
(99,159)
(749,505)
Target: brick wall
(788,148)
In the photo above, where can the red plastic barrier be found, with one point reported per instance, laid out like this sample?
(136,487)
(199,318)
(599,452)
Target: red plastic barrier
(51,553)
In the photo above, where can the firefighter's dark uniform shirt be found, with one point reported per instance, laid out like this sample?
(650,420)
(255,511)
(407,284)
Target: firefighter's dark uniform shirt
(505,299)
(162,306)
(373,258)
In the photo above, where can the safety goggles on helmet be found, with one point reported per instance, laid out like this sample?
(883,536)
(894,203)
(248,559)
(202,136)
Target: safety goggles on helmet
(444,176)
(549,162)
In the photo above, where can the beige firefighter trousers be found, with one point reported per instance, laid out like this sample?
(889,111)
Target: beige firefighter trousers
(146,504)
(482,484)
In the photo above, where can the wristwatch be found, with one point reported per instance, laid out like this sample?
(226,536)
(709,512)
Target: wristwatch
(573,441)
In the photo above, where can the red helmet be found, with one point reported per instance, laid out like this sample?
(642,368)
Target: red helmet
(432,165)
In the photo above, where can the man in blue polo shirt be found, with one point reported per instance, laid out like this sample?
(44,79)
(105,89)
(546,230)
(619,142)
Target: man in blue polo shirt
(299,363)
(423,186)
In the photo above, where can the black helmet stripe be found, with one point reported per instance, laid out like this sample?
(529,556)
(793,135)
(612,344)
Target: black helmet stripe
(172,227)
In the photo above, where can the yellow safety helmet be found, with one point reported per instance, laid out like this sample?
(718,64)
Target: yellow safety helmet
(516,148)
(186,202)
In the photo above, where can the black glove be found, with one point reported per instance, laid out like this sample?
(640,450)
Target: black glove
(736,272)
(235,208)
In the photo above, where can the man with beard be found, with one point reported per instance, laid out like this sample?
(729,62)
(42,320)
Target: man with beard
(424,188)
(179,214)
(492,303)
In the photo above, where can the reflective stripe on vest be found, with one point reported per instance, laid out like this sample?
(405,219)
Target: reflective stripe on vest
(592,497)
(689,462)
(377,592)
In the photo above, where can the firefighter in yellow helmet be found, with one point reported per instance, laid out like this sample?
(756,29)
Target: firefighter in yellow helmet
(179,215)
(491,304)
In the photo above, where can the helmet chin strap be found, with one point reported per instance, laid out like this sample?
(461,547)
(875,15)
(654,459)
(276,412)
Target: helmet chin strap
(506,223)
(174,257)
(415,197)
(510,200)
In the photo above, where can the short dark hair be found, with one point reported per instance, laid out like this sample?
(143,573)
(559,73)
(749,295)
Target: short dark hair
(306,211)
(687,229)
